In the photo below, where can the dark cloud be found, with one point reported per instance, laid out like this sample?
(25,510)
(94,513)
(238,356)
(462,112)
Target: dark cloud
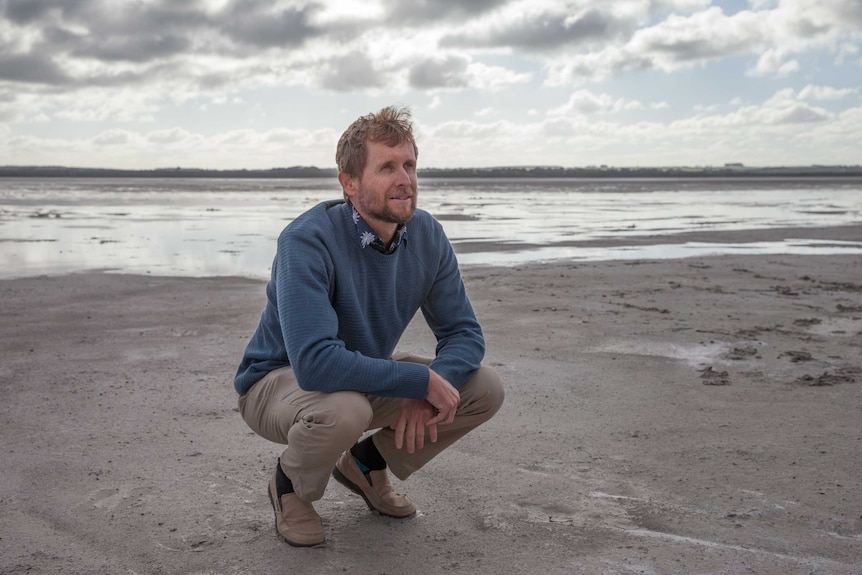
(439,73)
(850,12)
(253,22)
(700,48)
(551,30)
(819,20)
(132,48)
(423,11)
(808,28)
(143,32)
(352,72)
(29,11)
(31,69)
(148,34)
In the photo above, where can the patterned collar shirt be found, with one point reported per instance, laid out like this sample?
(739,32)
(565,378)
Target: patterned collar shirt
(368,237)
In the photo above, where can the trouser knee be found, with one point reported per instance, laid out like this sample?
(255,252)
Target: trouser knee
(484,392)
(339,420)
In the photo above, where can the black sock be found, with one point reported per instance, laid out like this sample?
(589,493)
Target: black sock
(366,453)
(283,484)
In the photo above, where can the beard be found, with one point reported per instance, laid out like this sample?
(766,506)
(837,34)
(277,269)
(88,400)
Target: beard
(383,211)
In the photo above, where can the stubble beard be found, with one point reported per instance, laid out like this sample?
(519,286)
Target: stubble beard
(385,213)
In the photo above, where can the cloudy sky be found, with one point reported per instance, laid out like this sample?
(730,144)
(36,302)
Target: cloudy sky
(270,83)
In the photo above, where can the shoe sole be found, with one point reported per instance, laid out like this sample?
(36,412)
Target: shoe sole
(277,532)
(342,479)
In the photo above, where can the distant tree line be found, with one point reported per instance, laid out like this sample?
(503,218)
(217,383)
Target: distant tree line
(729,170)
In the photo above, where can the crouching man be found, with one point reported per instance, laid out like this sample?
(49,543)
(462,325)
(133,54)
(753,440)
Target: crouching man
(319,371)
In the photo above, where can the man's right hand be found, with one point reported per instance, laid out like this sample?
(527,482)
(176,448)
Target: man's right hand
(444,397)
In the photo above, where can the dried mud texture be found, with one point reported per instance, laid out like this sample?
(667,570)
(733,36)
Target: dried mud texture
(684,416)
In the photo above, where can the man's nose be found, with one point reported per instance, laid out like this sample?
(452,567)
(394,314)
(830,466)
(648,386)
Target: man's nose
(405,178)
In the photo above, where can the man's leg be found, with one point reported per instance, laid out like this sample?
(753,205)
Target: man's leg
(316,427)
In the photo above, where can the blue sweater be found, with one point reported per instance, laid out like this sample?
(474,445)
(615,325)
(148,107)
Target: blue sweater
(336,311)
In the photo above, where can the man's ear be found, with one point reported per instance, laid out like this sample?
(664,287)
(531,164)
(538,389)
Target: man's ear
(348,183)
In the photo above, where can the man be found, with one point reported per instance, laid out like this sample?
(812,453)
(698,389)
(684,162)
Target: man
(319,371)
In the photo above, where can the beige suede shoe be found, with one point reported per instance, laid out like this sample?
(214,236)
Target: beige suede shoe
(374,487)
(295,520)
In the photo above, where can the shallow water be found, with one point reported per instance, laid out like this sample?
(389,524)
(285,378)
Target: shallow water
(209,227)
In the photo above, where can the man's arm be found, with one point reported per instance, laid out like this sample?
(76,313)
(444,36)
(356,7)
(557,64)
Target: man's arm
(450,315)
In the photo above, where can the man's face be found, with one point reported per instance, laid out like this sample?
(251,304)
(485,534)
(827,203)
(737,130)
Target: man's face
(385,193)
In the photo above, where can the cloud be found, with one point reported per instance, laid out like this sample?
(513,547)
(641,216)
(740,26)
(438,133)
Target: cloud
(537,28)
(425,11)
(113,138)
(107,33)
(137,65)
(446,72)
(773,63)
(774,34)
(586,102)
(460,72)
(28,11)
(776,131)
(811,92)
(353,71)
(255,23)
(31,69)
(783,108)
(169,137)
(701,36)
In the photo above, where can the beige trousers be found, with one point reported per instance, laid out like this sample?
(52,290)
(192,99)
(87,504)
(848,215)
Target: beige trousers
(318,427)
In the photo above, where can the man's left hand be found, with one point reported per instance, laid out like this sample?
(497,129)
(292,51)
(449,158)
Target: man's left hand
(412,420)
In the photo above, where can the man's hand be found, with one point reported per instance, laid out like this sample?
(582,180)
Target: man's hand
(415,414)
(444,397)
(438,407)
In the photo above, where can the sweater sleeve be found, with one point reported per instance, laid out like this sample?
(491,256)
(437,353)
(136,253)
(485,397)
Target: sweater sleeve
(450,315)
(309,323)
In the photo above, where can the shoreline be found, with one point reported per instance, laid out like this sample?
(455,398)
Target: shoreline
(669,416)
(734,171)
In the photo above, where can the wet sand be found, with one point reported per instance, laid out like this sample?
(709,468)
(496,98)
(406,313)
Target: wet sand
(684,416)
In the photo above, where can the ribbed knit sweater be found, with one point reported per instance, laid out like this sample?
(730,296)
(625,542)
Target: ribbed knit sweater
(335,311)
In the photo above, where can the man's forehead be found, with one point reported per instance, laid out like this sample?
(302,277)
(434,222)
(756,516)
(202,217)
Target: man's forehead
(384,149)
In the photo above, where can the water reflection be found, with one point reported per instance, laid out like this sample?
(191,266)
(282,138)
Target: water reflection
(229,227)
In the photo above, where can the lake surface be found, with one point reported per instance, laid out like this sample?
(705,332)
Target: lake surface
(211,227)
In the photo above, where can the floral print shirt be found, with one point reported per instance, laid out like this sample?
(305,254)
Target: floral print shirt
(368,237)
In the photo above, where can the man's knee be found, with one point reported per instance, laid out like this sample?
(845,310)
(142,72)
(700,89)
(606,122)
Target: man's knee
(342,413)
(484,391)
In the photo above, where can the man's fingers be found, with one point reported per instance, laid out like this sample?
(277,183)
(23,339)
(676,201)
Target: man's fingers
(399,430)
(432,432)
(442,418)
(411,438)
(436,419)
(420,435)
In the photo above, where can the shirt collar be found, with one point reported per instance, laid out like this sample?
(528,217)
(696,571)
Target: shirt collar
(368,237)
